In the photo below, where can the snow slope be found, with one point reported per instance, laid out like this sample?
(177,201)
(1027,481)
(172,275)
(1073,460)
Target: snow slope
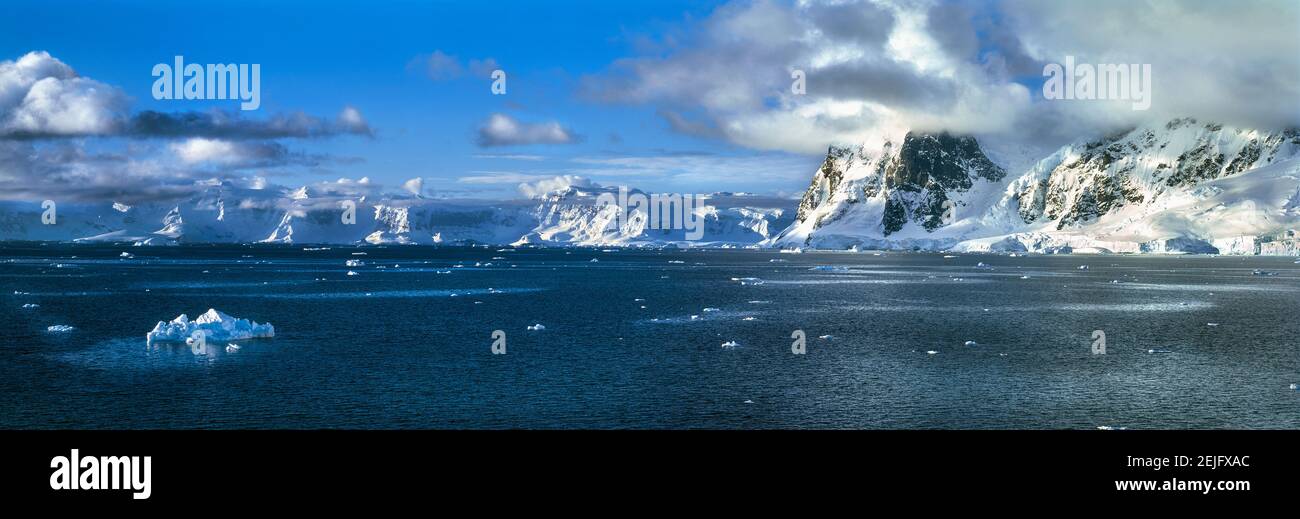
(1181,186)
(223,212)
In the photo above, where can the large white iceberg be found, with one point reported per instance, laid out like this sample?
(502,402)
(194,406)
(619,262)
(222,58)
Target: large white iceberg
(216,326)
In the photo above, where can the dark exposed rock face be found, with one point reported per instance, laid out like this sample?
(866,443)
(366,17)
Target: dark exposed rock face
(915,178)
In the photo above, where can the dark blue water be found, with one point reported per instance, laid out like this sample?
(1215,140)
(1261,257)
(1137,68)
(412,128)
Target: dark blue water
(409,345)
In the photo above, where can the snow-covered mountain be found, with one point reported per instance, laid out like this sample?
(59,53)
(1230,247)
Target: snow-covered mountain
(1182,186)
(223,212)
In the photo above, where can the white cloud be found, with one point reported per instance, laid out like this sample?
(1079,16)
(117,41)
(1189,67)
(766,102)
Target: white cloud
(553,184)
(503,130)
(873,67)
(414,186)
(42,96)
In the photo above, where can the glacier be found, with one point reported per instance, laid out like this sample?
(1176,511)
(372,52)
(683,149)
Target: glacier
(215,326)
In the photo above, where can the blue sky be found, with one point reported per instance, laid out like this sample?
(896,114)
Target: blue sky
(318,57)
(665,95)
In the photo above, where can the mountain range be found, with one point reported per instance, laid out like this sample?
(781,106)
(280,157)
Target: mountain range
(1182,186)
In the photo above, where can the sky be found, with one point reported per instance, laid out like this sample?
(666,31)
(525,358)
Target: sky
(664,95)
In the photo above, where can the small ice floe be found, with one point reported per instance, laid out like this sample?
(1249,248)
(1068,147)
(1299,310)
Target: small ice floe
(1153,350)
(20,293)
(694,317)
(826,337)
(31,305)
(126,255)
(1083,267)
(1293,387)
(784,261)
(830,268)
(748,402)
(795,250)
(1263,273)
(1114,281)
(1110,428)
(750,318)
(729,345)
(1211,324)
(958,279)
(711,309)
(352,273)
(594,260)
(971,343)
(536,327)
(215,325)
(748,281)
(676,261)
(931,352)
(442,272)
(949,256)
(353,263)
(982,265)
(639,299)
(59,328)
(232,347)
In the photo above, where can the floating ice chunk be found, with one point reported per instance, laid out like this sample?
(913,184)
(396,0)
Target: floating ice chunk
(352,273)
(354,263)
(748,401)
(711,309)
(1211,324)
(729,345)
(830,268)
(31,305)
(795,250)
(126,255)
(931,352)
(215,326)
(784,261)
(1159,351)
(982,265)
(949,257)
(750,318)
(1263,273)
(971,343)
(694,317)
(825,337)
(1293,387)
(536,327)
(232,347)
(59,328)
(594,260)
(1083,267)
(748,281)
(676,261)
(1110,428)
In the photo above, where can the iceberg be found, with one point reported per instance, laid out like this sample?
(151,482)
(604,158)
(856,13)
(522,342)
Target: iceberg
(214,325)
(59,328)
(536,327)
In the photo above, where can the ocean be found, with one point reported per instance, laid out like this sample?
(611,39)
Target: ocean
(634,338)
